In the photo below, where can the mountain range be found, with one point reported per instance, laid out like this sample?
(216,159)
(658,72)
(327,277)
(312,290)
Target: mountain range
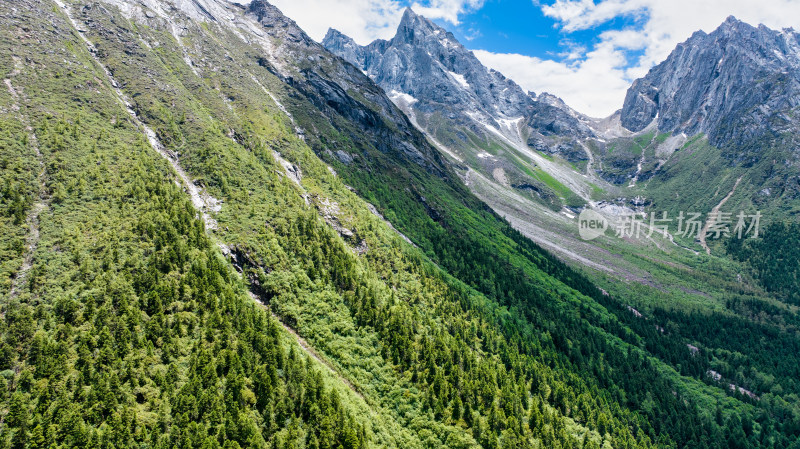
(518,151)
(219,233)
(736,86)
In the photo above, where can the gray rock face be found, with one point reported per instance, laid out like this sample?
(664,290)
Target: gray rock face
(328,83)
(342,45)
(427,63)
(641,105)
(737,84)
(552,117)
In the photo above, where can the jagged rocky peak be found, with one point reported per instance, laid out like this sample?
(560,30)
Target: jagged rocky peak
(425,67)
(728,84)
(730,23)
(340,44)
(427,62)
(415,29)
(271,17)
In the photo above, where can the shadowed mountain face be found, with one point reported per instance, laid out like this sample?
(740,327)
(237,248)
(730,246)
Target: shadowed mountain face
(328,83)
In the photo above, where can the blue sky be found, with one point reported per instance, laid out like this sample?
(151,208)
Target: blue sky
(511,26)
(584,51)
(520,26)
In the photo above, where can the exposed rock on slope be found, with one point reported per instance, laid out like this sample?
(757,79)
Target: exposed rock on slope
(329,84)
(445,81)
(737,84)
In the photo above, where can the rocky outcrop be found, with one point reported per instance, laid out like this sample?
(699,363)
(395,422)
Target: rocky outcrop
(641,105)
(344,46)
(329,82)
(433,73)
(551,117)
(737,84)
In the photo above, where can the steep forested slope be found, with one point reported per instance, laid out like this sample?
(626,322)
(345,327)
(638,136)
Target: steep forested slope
(130,328)
(185,197)
(774,259)
(748,336)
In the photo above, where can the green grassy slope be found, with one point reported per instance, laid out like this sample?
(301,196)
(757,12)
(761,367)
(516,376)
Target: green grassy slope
(131,329)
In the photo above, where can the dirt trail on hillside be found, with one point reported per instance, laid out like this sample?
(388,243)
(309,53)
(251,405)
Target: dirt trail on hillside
(713,217)
(41,204)
(305,346)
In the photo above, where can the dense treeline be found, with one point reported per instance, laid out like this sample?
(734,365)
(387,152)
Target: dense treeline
(622,376)
(774,257)
(132,330)
(18,191)
(493,396)
(144,348)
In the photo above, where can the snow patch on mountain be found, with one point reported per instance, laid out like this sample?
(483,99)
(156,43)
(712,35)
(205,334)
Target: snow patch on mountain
(460,79)
(401,99)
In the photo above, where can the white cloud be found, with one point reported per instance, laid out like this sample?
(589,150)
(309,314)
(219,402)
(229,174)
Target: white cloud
(448,10)
(582,14)
(367,20)
(363,20)
(668,23)
(591,79)
(596,82)
(593,86)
